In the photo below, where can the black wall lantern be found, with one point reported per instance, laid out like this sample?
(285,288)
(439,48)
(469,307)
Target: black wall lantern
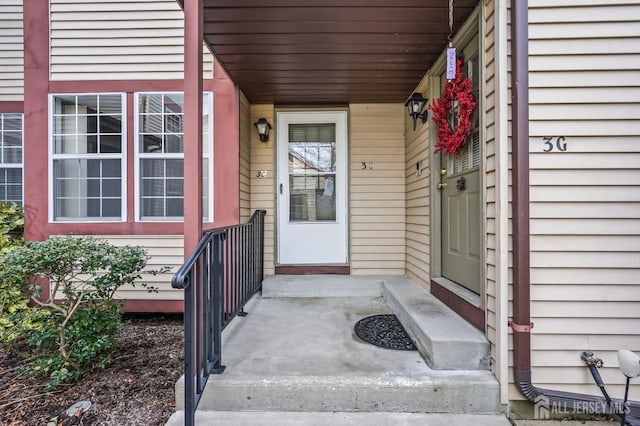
(415,104)
(263,127)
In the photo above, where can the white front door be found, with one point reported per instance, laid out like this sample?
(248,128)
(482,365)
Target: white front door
(312,187)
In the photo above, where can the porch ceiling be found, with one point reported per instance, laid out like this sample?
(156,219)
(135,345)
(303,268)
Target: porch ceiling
(301,52)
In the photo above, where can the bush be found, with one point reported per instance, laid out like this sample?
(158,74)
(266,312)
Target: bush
(73,328)
(13,300)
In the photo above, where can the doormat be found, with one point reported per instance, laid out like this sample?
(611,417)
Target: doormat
(384,331)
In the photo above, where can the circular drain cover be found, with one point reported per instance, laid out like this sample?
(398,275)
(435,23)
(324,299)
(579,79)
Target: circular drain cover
(384,331)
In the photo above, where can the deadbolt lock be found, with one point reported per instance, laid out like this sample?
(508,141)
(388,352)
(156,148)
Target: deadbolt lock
(443,172)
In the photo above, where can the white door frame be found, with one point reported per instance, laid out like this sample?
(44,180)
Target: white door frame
(306,243)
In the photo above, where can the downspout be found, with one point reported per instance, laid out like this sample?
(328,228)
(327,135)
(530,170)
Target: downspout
(521,320)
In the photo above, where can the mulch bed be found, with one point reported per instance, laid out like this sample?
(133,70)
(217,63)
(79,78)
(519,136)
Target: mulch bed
(136,389)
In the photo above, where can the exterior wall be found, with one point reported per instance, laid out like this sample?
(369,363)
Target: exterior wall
(118,40)
(585,201)
(377,198)
(163,250)
(245,159)
(418,223)
(104,40)
(12,46)
(263,194)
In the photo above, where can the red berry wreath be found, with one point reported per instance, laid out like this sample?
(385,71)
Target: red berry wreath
(460,89)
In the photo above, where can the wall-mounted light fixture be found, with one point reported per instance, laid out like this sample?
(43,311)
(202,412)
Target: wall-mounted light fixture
(263,127)
(415,104)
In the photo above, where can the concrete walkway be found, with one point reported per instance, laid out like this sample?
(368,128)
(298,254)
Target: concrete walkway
(339,419)
(295,360)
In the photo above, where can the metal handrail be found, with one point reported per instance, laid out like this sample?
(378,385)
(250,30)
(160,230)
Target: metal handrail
(219,277)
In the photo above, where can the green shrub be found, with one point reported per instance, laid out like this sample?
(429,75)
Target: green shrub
(13,299)
(73,328)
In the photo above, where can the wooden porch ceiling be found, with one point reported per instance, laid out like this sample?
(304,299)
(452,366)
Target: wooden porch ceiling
(303,52)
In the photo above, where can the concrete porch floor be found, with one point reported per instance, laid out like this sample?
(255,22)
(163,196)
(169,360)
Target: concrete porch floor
(297,353)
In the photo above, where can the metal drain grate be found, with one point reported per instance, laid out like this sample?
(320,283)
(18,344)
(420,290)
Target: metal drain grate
(384,331)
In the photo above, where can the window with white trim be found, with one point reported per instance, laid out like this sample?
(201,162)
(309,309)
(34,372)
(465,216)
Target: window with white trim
(11,131)
(88,157)
(160,165)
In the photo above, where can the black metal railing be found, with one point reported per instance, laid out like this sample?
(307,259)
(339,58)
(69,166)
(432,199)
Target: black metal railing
(224,271)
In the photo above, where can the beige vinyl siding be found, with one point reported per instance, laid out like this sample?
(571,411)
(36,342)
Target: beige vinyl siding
(245,159)
(262,157)
(118,40)
(497,225)
(12,48)
(377,198)
(163,250)
(585,202)
(418,232)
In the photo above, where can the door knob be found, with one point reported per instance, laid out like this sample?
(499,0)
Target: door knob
(442,185)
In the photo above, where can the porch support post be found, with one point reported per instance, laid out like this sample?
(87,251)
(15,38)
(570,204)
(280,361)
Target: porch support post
(193,17)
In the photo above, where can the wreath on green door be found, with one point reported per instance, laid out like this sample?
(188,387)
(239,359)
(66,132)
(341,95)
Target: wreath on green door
(459,89)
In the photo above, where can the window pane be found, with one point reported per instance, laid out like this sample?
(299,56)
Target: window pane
(111,207)
(87,104)
(110,104)
(153,186)
(11,185)
(87,124)
(312,198)
(175,207)
(12,155)
(93,187)
(174,187)
(64,125)
(150,123)
(152,168)
(89,142)
(111,168)
(152,207)
(110,143)
(111,188)
(150,104)
(65,104)
(151,143)
(173,123)
(64,144)
(173,102)
(175,168)
(174,144)
(12,122)
(110,124)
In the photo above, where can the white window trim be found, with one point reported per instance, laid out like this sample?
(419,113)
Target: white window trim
(21,164)
(137,157)
(122,156)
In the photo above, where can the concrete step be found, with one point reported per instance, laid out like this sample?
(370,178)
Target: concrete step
(466,392)
(322,286)
(445,339)
(262,418)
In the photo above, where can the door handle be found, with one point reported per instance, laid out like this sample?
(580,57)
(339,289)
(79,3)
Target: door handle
(442,185)
(280,189)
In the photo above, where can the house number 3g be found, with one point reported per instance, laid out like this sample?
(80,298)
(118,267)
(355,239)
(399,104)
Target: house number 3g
(559,145)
